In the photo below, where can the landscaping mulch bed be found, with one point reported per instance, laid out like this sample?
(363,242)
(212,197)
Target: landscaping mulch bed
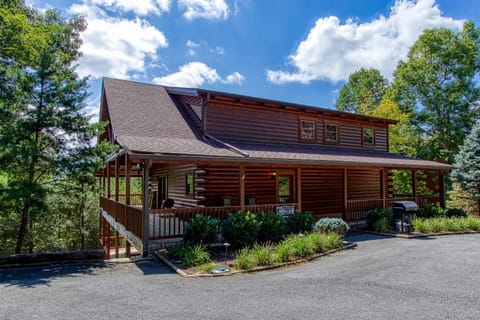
(227,262)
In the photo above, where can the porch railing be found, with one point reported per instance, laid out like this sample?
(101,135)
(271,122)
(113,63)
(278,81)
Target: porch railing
(170,223)
(129,216)
(357,209)
(135,199)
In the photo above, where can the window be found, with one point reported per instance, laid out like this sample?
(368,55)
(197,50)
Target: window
(307,130)
(331,133)
(368,136)
(189,184)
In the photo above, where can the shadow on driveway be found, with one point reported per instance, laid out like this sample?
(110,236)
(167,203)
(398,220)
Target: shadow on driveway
(358,236)
(29,277)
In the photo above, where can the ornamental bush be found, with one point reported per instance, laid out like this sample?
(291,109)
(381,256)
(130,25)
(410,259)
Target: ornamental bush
(300,223)
(385,214)
(272,227)
(335,225)
(455,212)
(241,229)
(201,229)
(430,211)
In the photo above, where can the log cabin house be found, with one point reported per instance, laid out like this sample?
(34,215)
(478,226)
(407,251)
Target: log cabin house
(215,153)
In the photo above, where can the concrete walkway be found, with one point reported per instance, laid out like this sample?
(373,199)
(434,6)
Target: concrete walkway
(383,278)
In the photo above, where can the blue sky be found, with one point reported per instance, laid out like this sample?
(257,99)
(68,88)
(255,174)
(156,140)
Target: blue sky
(300,51)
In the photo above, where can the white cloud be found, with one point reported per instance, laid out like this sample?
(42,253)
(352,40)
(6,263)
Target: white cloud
(333,50)
(194,74)
(207,9)
(192,44)
(116,47)
(139,7)
(218,50)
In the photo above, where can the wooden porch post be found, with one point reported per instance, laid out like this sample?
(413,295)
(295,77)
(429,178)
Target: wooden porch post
(117,249)
(241,182)
(127,249)
(345,194)
(382,188)
(441,181)
(109,182)
(104,181)
(107,255)
(100,227)
(414,185)
(117,184)
(299,189)
(127,189)
(146,221)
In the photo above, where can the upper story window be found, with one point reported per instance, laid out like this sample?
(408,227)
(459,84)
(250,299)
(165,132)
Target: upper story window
(368,136)
(331,133)
(189,184)
(307,130)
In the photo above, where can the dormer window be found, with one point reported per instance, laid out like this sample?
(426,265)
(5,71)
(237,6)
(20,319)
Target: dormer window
(368,136)
(331,133)
(307,130)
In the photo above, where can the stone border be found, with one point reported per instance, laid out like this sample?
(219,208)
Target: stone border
(47,258)
(179,271)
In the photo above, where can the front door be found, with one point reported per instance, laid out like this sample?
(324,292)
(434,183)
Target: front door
(286,186)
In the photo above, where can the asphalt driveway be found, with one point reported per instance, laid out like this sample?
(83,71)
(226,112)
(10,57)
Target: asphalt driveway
(383,278)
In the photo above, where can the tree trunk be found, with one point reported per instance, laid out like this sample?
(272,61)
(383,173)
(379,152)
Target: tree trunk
(23,230)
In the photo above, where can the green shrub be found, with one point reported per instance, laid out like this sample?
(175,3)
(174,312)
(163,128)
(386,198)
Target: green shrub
(374,215)
(201,229)
(282,252)
(272,227)
(300,223)
(301,246)
(381,225)
(262,255)
(473,223)
(455,212)
(207,267)
(455,225)
(191,255)
(430,211)
(244,260)
(336,225)
(241,229)
(420,225)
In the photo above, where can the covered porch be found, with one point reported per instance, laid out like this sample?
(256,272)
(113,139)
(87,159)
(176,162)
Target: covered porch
(218,189)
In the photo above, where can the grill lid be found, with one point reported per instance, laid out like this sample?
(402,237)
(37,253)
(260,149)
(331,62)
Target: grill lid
(405,205)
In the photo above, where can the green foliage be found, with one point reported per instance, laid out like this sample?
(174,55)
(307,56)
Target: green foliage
(191,256)
(244,260)
(385,214)
(45,137)
(301,246)
(436,225)
(272,227)
(262,255)
(459,198)
(430,211)
(455,212)
(300,223)
(336,225)
(282,252)
(201,229)
(363,91)
(241,229)
(381,225)
(437,86)
(467,165)
(207,267)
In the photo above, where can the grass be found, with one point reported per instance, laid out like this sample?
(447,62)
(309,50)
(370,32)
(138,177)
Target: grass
(436,225)
(292,248)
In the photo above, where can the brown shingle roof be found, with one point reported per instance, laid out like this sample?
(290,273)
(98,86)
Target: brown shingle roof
(146,119)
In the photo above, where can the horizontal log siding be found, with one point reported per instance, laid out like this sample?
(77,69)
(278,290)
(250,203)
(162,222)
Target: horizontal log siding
(251,125)
(260,184)
(213,183)
(237,122)
(322,191)
(364,184)
(176,183)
